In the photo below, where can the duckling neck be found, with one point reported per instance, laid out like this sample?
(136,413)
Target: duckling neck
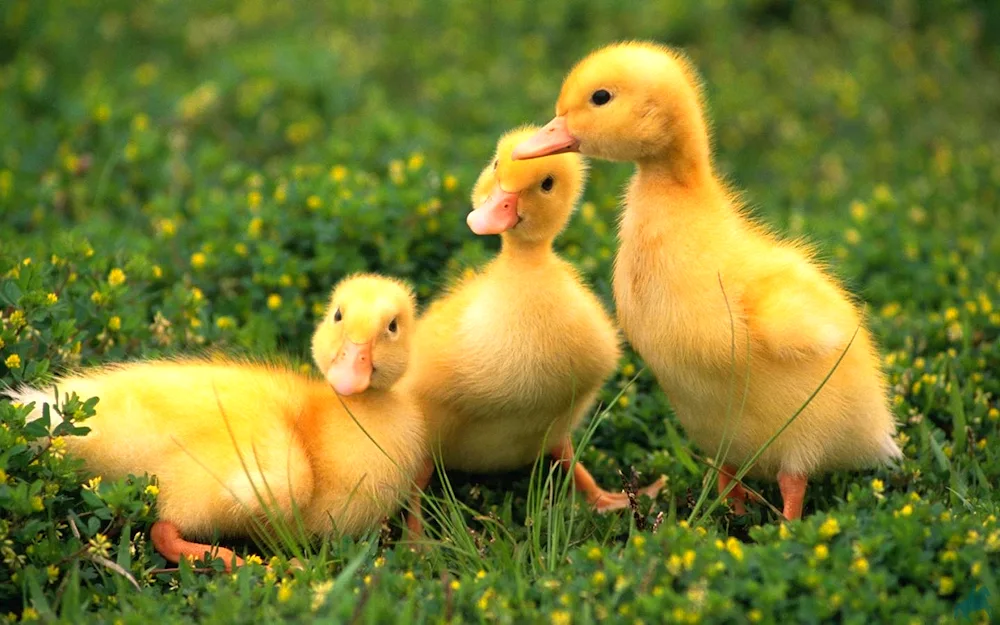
(518,250)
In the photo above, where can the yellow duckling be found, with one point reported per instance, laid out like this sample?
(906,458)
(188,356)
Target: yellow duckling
(694,276)
(221,435)
(512,359)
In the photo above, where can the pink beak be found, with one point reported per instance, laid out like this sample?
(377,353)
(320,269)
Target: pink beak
(553,138)
(351,372)
(497,214)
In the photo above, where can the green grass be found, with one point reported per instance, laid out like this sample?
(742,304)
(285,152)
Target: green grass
(177,176)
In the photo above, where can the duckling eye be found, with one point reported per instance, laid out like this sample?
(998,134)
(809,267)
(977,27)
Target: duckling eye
(337,316)
(600,97)
(393,326)
(495,163)
(547,183)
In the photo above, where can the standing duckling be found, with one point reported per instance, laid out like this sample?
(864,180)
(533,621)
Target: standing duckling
(511,360)
(222,436)
(694,276)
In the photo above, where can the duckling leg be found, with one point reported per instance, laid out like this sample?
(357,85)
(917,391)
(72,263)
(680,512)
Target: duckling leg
(168,541)
(793,491)
(738,495)
(414,517)
(602,500)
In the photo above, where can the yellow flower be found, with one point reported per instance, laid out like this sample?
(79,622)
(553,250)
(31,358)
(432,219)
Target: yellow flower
(638,541)
(783,532)
(13,361)
(852,236)
(877,485)
(313,202)
(450,183)
(481,574)
(623,401)
(829,529)
(821,551)
(860,566)
(946,586)
(93,484)
(254,198)
(674,564)
(31,614)
(594,553)
(858,210)
(396,172)
(274,301)
(977,568)
(253,558)
(198,260)
(51,298)
(628,370)
(115,323)
(157,272)
(951,314)
(37,504)
(53,572)
(755,616)
(256,224)
(598,578)
(99,545)
(338,173)
(561,617)
(116,277)
(891,309)
(734,547)
(140,122)
(166,227)
(284,591)
(416,162)
(993,414)
(153,490)
(689,557)
(225,322)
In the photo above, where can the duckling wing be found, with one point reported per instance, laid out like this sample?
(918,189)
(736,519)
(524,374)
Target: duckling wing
(798,312)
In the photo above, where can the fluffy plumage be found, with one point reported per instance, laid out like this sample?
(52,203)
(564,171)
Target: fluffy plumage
(189,422)
(509,361)
(694,275)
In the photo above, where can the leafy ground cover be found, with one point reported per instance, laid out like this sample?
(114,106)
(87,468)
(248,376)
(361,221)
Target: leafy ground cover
(178,176)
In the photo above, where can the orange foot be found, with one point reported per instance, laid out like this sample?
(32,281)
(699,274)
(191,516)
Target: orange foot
(793,491)
(168,541)
(600,499)
(738,495)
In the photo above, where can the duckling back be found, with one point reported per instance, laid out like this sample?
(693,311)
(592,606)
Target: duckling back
(216,435)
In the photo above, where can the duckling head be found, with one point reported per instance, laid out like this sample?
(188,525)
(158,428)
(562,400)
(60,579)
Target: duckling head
(364,339)
(526,201)
(631,101)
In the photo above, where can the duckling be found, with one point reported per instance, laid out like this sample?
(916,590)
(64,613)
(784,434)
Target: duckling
(225,439)
(509,361)
(695,276)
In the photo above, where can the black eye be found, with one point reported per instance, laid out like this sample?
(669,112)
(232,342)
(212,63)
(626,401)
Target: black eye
(393,326)
(600,97)
(547,183)
(337,316)
(495,163)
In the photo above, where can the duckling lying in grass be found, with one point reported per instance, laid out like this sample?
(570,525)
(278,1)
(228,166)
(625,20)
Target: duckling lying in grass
(511,360)
(696,279)
(233,443)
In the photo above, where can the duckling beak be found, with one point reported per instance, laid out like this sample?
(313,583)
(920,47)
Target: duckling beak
(351,372)
(497,214)
(553,138)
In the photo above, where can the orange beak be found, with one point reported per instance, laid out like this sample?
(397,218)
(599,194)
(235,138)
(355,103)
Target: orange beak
(497,214)
(351,372)
(553,138)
